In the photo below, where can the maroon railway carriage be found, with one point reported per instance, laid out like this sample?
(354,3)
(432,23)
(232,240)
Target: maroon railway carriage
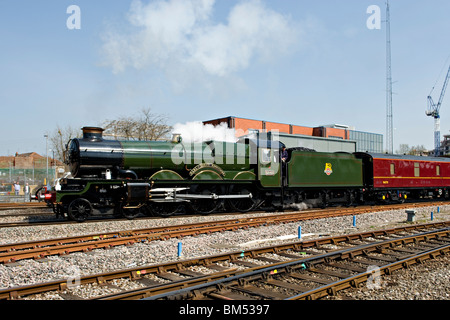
(390,177)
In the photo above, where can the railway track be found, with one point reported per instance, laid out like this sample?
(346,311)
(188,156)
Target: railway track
(62,246)
(297,270)
(325,274)
(21,205)
(354,210)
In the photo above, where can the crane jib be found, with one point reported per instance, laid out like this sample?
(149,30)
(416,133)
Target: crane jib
(433,111)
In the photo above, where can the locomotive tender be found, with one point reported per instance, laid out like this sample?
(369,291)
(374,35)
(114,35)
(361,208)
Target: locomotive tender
(159,177)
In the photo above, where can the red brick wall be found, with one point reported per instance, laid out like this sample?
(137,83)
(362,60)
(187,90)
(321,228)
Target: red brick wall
(242,125)
(302,130)
(333,132)
(281,127)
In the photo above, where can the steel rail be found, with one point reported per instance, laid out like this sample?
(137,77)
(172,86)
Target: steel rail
(355,211)
(21,205)
(62,246)
(41,248)
(138,272)
(356,280)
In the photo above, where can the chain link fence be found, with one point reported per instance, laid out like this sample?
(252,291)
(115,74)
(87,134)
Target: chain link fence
(35,177)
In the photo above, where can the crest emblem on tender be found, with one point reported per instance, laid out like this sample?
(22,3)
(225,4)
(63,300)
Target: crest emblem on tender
(328,169)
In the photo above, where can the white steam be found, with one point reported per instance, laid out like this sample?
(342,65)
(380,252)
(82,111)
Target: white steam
(196,131)
(181,35)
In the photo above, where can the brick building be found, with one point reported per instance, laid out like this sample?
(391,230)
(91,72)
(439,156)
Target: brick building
(29,168)
(365,141)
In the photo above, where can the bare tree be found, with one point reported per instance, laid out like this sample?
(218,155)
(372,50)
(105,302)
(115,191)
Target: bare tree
(414,150)
(60,137)
(418,150)
(403,149)
(146,126)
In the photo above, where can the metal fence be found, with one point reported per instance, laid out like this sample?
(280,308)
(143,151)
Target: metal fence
(31,176)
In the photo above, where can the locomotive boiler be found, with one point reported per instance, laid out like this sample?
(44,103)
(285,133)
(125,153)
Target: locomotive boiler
(94,157)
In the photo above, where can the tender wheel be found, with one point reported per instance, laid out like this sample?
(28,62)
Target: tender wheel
(350,199)
(79,209)
(243,204)
(324,197)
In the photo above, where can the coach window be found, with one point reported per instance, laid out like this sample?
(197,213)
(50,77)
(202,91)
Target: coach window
(392,169)
(416,169)
(438,170)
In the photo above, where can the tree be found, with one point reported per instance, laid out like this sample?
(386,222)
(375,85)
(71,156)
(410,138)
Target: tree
(418,150)
(60,137)
(414,150)
(146,126)
(403,149)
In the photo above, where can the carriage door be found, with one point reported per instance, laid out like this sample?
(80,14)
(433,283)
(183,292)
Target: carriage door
(269,168)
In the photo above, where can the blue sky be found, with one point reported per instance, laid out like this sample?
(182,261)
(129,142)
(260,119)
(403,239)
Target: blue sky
(301,62)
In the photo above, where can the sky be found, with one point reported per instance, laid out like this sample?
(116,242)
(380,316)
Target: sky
(300,62)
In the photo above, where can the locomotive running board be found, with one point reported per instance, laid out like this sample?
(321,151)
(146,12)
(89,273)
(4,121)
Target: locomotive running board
(214,196)
(171,194)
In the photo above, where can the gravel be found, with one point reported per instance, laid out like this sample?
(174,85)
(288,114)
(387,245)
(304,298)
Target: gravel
(434,286)
(428,281)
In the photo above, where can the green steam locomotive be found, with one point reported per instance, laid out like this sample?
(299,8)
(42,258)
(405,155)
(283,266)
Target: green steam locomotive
(162,178)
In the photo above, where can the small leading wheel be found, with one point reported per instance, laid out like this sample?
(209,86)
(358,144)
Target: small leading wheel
(130,211)
(163,209)
(79,209)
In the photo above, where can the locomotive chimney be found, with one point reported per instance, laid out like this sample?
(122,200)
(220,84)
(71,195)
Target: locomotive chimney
(176,137)
(92,133)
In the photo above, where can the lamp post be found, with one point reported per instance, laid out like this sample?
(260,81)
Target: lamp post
(46,155)
(52,164)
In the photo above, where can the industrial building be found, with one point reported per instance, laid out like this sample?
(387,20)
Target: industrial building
(327,138)
(316,143)
(445,146)
(366,141)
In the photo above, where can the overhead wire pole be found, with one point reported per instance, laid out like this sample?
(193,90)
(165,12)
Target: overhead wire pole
(389,112)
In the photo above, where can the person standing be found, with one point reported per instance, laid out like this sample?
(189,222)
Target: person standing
(26,191)
(16,188)
(284,158)
(284,154)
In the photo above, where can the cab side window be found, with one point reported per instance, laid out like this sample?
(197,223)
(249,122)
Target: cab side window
(265,155)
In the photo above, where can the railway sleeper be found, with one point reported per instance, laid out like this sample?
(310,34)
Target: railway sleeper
(261,292)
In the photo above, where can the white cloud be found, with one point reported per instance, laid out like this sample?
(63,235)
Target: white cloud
(182,33)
